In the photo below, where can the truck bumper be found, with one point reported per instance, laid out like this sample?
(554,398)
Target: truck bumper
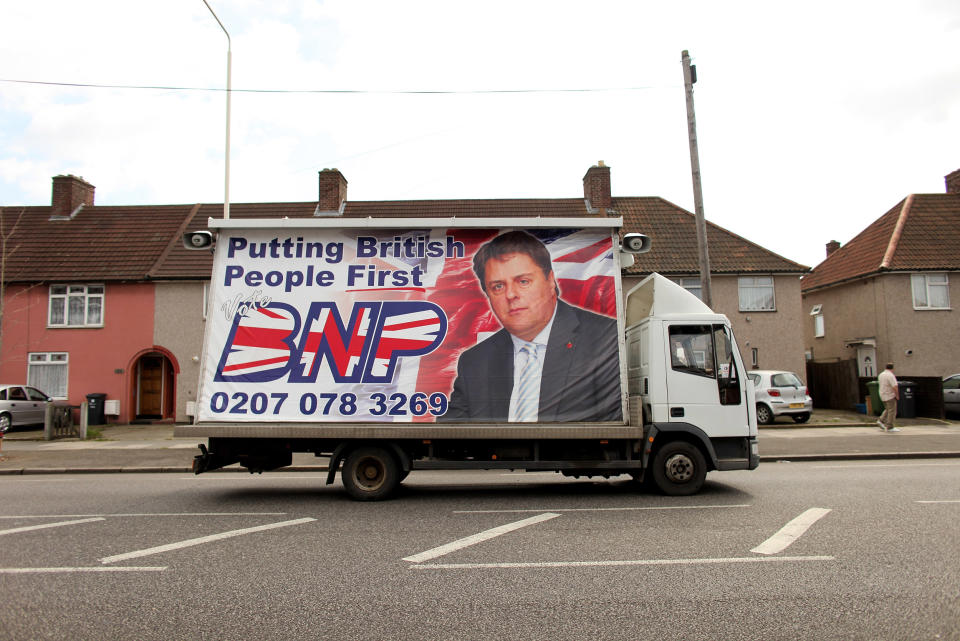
(754,453)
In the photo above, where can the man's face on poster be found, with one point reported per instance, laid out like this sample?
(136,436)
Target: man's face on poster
(521,295)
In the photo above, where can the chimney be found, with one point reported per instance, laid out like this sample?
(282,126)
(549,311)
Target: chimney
(596,188)
(69,194)
(953,182)
(333,191)
(832,246)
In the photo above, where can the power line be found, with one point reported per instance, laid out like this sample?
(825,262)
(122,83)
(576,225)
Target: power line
(329,91)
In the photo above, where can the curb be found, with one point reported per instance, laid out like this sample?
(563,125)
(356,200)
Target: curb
(857,456)
(24,471)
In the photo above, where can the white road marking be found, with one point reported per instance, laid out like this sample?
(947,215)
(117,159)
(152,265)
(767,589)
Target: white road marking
(650,562)
(81,569)
(602,509)
(203,539)
(478,538)
(71,516)
(791,531)
(944,501)
(28,528)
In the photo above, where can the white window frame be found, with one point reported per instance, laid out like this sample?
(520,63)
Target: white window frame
(49,359)
(818,330)
(920,284)
(747,284)
(60,298)
(817,313)
(692,285)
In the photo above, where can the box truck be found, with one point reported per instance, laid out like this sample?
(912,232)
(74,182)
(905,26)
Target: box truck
(392,345)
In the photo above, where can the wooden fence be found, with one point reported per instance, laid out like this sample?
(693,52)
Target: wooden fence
(835,385)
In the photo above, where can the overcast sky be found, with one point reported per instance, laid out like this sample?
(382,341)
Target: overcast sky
(813,118)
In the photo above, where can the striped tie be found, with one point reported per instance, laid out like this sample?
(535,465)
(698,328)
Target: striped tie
(528,397)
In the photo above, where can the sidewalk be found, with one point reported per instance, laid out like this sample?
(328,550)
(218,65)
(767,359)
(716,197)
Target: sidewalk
(830,435)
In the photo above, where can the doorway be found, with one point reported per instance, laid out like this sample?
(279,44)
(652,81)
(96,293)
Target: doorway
(154,387)
(867,361)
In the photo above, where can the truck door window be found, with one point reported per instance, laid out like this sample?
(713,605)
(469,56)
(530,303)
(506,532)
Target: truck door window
(691,349)
(728,379)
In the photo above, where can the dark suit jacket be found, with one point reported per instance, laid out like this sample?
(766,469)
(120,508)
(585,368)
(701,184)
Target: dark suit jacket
(581,373)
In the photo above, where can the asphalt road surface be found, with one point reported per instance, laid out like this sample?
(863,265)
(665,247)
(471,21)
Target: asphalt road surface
(845,550)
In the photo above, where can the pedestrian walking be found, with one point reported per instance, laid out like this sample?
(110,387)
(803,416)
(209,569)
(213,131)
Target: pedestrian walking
(889,394)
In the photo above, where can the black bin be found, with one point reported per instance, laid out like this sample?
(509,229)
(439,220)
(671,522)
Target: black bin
(95,415)
(907,405)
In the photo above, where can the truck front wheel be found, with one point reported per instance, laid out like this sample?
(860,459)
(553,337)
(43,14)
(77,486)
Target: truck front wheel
(679,469)
(370,473)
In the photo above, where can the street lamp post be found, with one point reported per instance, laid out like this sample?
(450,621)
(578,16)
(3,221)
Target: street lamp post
(226,161)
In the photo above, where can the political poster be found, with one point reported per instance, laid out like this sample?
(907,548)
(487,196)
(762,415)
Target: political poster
(311,324)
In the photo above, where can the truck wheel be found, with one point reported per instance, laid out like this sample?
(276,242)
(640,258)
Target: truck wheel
(679,469)
(370,474)
(764,414)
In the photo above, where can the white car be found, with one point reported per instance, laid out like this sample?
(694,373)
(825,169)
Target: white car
(780,393)
(21,405)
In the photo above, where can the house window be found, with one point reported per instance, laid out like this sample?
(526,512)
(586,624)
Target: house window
(756,294)
(692,285)
(930,291)
(76,306)
(817,313)
(47,371)
(755,358)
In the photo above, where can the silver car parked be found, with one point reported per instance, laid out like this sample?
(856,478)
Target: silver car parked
(21,405)
(780,394)
(951,394)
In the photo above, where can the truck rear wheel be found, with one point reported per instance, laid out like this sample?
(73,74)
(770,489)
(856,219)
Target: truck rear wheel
(370,473)
(679,469)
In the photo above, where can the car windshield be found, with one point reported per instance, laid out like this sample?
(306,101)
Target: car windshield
(785,379)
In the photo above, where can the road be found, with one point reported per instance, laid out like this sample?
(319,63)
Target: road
(838,550)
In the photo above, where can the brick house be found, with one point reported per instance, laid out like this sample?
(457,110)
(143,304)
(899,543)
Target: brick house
(106,300)
(887,294)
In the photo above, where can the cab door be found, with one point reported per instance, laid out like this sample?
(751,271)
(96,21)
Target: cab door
(704,386)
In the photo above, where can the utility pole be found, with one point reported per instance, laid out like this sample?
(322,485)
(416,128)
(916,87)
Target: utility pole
(226,159)
(690,77)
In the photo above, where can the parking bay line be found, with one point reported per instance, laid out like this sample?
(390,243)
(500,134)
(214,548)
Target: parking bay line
(203,539)
(646,562)
(29,528)
(118,568)
(486,535)
(603,509)
(129,514)
(791,531)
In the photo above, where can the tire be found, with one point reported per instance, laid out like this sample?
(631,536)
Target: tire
(370,474)
(5,423)
(801,418)
(764,414)
(679,469)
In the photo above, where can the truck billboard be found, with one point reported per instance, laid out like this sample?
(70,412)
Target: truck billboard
(324,324)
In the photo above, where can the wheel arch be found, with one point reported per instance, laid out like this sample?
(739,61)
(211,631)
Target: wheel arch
(660,434)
